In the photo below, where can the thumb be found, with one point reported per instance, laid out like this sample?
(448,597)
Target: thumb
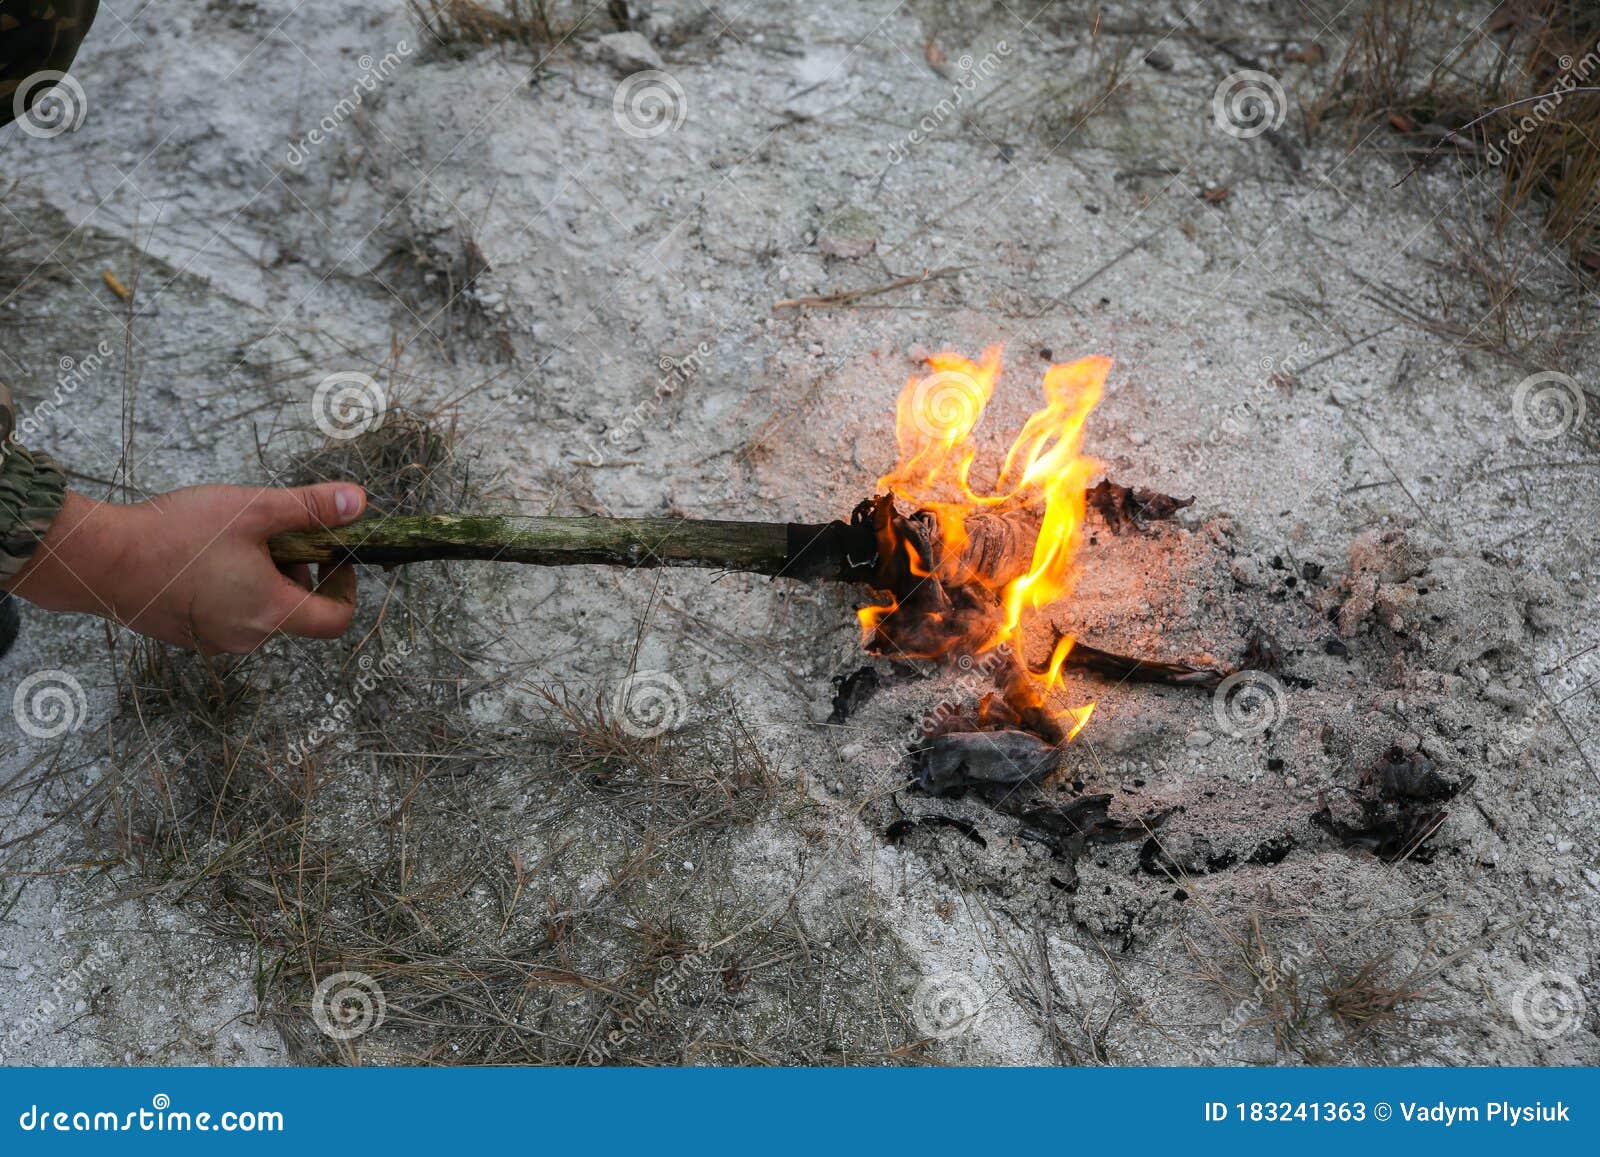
(327,504)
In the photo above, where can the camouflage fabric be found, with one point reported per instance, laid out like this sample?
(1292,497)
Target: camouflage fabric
(31,490)
(38,36)
(35,36)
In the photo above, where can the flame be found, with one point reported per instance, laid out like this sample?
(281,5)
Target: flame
(935,419)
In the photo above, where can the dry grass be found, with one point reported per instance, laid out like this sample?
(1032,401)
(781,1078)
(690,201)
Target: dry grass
(521,890)
(466,24)
(1486,97)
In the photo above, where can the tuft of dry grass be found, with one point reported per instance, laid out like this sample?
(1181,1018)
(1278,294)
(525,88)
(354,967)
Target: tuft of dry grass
(466,24)
(1504,97)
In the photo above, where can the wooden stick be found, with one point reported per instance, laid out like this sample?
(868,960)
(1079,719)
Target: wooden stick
(846,296)
(840,551)
(797,550)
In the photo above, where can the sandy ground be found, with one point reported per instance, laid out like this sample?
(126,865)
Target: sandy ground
(1449,534)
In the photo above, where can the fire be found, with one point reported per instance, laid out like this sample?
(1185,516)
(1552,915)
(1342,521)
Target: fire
(1043,475)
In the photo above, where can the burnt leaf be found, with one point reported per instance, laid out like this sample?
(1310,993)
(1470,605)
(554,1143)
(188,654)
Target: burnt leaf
(899,831)
(1121,507)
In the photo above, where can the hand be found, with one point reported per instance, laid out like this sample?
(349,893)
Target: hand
(192,567)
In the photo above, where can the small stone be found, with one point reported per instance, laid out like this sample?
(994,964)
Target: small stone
(688,865)
(628,52)
(850,234)
(1408,742)
(1139,437)
(1198,739)
(1563,847)
(1592,876)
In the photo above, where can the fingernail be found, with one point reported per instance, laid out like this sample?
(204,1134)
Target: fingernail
(346,500)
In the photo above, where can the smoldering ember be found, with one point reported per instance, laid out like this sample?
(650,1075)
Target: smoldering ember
(921,533)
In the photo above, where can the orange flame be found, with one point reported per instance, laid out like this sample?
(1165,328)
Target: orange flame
(935,418)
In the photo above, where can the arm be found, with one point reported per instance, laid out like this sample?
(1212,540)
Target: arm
(37,37)
(190,567)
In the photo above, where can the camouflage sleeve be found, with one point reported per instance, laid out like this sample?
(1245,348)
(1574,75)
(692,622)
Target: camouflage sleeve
(37,37)
(32,487)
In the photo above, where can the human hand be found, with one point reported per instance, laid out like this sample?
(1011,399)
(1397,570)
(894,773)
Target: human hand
(192,567)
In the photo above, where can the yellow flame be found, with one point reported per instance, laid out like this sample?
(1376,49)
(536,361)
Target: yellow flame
(935,418)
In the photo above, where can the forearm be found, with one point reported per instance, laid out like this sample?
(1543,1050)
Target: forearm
(68,569)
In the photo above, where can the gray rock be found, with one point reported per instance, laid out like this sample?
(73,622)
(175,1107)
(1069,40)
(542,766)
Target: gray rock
(627,52)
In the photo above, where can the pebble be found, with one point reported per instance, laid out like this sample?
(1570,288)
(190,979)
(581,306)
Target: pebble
(1197,739)
(1138,437)
(1592,876)
(1408,742)
(1563,847)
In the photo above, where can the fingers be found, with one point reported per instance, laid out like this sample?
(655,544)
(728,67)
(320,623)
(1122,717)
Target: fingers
(322,614)
(327,504)
(337,583)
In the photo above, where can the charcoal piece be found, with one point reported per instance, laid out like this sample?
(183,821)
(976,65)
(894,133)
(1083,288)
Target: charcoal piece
(1066,829)
(1124,507)
(10,623)
(1390,835)
(854,690)
(899,831)
(949,764)
(1399,776)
